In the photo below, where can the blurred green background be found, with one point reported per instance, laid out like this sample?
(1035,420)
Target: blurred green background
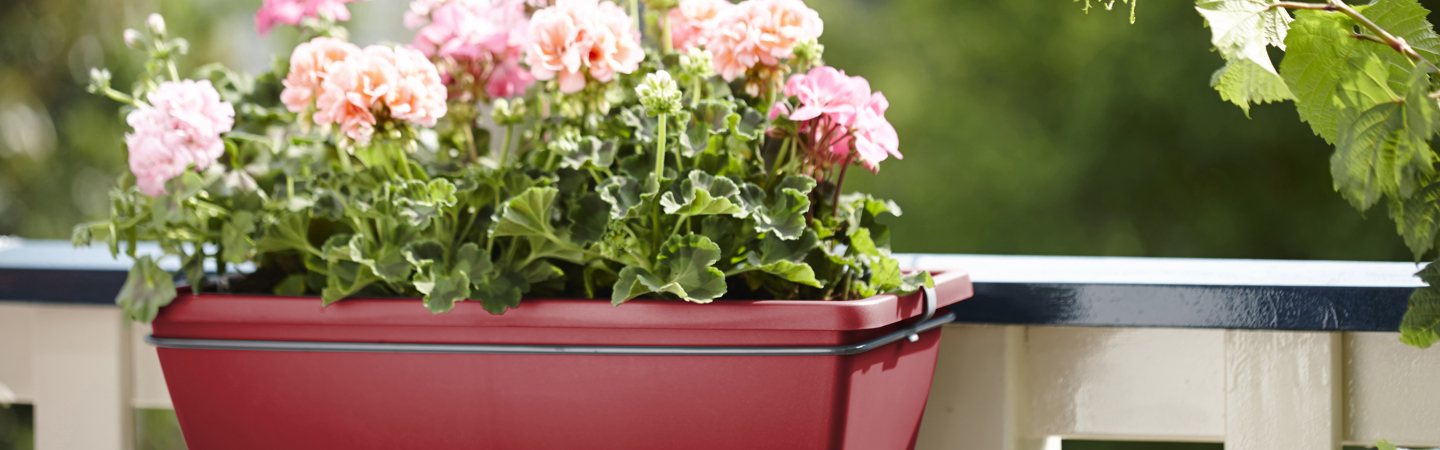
(1029,128)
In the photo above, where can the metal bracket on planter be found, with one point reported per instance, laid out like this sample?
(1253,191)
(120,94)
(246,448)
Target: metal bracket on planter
(928,296)
(928,321)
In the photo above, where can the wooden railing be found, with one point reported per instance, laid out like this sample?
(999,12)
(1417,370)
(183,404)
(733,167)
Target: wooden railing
(1254,354)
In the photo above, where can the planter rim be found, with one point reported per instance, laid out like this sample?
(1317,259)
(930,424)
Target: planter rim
(951,286)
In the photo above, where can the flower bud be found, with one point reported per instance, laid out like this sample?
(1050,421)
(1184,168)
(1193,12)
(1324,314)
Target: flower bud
(132,38)
(156,24)
(658,94)
(99,80)
(809,53)
(696,63)
(508,112)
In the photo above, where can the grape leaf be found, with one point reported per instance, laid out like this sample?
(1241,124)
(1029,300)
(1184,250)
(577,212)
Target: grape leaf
(1243,82)
(1421,325)
(1383,149)
(1417,219)
(1241,29)
(1320,44)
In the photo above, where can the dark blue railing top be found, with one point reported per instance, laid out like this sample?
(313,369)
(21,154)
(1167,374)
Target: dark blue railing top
(1022,290)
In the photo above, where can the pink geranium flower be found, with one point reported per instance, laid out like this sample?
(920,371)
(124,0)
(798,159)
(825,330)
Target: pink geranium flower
(480,38)
(692,21)
(178,127)
(307,69)
(760,32)
(576,37)
(838,119)
(291,12)
(399,81)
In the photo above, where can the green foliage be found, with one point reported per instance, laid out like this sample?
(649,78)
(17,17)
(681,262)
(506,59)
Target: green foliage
(1364,78)
(579,202)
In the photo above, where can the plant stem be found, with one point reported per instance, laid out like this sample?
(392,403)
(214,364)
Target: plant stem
(174,74)
(470,142)
(635,12)
(660,150)
(664,22)
(505,145)
(839,182)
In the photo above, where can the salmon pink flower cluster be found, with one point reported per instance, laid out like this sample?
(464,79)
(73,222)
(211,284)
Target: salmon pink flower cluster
(692,22)
(291,12)
(480,39)
(760,33)
(353,88)
(576,37)
(179,126)
(838,119)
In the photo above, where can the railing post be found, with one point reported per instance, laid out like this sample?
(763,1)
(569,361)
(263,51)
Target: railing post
(82,379)
(1283,390)
(980,394)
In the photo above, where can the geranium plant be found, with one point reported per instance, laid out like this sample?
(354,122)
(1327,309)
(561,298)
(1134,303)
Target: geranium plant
(514,148)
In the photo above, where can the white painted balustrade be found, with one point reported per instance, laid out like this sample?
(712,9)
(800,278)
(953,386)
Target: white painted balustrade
(997,387)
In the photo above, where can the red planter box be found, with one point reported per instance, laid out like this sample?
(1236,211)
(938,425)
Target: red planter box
(253,399)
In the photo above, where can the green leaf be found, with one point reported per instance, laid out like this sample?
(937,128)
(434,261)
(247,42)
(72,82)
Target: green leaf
(786,215)
(592,152)
(421,253)
(1384,445)
(289,232)
(703,194)
(544,247)
(527,214)
(1243,82)
(146,289)
(343,279)
(589,217)
(861,242)
(886,276)
(1421,325)
(472,261)
(499,294)
(292,285)
(684,269)
(913,281)
(796,272)
(1417,219)
(1321,43)
(623,194)
(1385,149)
(1241,29)
(774,249)
(235,236)
(443,290)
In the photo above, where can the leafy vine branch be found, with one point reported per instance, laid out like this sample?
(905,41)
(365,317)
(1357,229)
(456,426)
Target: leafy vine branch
(1363,78)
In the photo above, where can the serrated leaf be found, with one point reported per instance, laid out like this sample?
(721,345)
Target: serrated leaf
(1417,219)
(702,194)
(527,214)
(146,289)
(1421,325)
(1243,82)
(1241,29)
(1320,44)
(785,215)
(1385,150)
